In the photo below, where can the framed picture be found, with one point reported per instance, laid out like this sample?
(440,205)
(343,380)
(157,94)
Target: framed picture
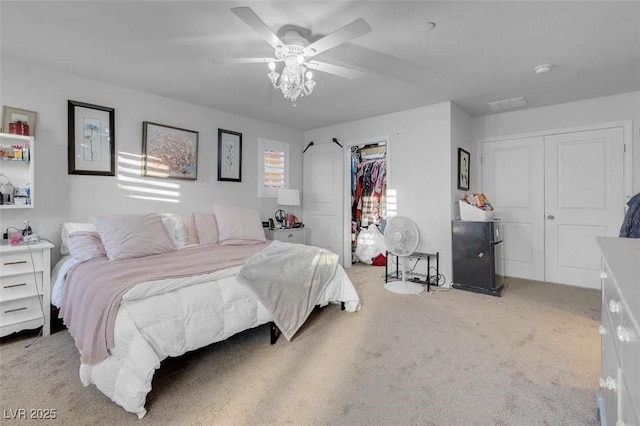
(229,156)
(463,169)
(169,152)
(11,115)
(91,133)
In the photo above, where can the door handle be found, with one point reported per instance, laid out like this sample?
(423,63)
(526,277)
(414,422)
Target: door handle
(551,217)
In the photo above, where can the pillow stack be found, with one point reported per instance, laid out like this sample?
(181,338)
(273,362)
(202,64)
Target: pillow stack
(129,236)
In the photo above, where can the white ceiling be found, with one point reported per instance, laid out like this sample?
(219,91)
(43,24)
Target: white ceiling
(479,52)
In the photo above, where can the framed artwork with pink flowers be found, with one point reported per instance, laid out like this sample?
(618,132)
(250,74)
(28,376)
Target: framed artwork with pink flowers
(169,152)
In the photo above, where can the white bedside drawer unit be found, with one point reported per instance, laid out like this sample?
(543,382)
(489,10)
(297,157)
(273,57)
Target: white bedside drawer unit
(20,286)
(293,235)
(21,314)
(20,262)
(25,289)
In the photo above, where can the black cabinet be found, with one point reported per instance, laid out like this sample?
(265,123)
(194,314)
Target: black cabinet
(477,256)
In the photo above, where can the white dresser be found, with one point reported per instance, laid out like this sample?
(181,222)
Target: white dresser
(292,235)
(619,396)
(25,289)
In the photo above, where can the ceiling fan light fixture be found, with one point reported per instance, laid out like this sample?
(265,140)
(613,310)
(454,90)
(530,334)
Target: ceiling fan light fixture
(310,84)
(273,76)
(295,50)
(295,81)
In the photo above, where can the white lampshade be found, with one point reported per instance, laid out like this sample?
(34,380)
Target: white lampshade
(288,197)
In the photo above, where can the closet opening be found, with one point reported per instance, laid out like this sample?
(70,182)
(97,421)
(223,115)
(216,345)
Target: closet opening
(367,207)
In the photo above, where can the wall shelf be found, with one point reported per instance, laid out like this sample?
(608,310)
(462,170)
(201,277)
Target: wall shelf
(20,173)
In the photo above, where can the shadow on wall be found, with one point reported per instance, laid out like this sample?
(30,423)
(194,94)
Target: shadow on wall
(135,186)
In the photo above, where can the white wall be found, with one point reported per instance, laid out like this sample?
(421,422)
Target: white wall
(61,197)
(574,114)
(419,167)
(461,137)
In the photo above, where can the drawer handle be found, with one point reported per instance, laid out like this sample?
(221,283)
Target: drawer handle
(602,330)
(17,262)
(608,383)
(603,275)
(290,236)
(14,285)
(614,307)
(624,335)
(15,310)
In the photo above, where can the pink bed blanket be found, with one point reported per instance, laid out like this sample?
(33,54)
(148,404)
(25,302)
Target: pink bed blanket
(93,290)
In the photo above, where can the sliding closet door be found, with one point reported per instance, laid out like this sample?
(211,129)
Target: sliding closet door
(584,199)
(513,179)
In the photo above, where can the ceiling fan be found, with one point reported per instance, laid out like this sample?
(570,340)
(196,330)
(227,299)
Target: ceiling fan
(296,51)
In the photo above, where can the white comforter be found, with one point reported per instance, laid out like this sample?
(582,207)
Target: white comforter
(186,314)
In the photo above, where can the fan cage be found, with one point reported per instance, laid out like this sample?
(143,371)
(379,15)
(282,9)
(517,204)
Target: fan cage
(401,236)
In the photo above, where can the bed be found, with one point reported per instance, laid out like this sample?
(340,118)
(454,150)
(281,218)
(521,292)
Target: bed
(130,307)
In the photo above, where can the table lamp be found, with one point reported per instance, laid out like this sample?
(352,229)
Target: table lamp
(288,197)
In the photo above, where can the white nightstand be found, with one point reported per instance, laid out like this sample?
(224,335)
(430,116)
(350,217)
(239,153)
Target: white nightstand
(25,289)
(292,235)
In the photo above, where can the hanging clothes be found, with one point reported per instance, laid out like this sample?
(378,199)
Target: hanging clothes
(369,181)
(368,186)
(355,162)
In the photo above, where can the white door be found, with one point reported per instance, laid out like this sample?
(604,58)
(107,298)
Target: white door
(323,176)
(513,179)
(584,189)
(555,194)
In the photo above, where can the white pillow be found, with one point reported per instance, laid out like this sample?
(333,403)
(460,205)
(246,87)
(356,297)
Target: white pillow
(85,246)
(239,225)
(207,228)
(133,235)
(69,228)
(190,227)
(176,229)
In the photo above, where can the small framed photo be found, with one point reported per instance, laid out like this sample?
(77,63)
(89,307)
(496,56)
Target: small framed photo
(169,152)
(229,156)
(91,132)
(12,115)
(463,169)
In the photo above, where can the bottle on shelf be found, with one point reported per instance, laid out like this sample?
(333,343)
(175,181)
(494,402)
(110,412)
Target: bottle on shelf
(17,152)
(25,151)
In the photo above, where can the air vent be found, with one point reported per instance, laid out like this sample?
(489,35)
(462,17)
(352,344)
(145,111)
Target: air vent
(507,104)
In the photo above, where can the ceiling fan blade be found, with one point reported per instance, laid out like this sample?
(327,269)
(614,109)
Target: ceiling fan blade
(339,36)
(242,60)
(338,70)
(258,25)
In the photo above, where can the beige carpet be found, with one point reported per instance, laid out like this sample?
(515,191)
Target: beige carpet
(531,357)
